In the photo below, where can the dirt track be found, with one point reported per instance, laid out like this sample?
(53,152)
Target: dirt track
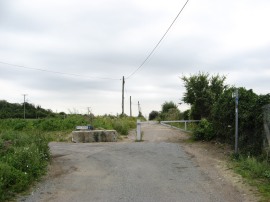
(162,168)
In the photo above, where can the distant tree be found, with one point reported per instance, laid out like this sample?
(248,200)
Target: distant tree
(15,110)
(202,91)
(166,106)
(169,111)
(153,115)
(186,114)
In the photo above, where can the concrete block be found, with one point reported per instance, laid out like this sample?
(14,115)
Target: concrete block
(94,136)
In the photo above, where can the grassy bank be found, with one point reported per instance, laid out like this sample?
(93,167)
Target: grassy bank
(256,172)
(24,151)
(24,158)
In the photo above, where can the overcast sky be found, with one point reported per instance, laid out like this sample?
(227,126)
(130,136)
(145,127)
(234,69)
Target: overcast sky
(111,38)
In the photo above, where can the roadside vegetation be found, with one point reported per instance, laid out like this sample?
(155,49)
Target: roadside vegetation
(212,103)
(24,150)
(170,112)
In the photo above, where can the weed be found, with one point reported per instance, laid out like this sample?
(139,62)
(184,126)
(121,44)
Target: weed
(256,172)
(24,157)
(24,151)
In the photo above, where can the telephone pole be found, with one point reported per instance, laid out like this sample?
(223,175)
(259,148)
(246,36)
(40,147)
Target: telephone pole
(123,97)
(130,106)
(24,95)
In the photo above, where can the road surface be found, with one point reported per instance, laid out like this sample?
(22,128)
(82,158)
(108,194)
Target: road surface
(155,170)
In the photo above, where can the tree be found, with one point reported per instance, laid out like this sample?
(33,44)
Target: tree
(170,111)
(153,115)
(202,91)
(166,106)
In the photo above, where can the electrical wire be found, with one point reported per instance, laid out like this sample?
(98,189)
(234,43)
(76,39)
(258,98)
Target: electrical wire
(153,50)
(56,72)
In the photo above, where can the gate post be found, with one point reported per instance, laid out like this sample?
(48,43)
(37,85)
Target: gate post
(139,137)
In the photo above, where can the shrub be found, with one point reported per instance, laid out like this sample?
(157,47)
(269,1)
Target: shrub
(250,119)
(121,127)
(23,159)
(11,180)
(153,115)
(204,131)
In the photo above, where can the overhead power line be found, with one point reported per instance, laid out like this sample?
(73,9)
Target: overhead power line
(155,47)
(56,72)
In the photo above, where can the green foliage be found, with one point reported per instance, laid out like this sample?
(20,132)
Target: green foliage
(204,131)
(211,99)
(201,93)
(23,159)
(24,151)
(250,119)
(153,115)
(256,172)
(48,124)
(186,115)
(121,124)
(169,112)
(167,106)
(10,110)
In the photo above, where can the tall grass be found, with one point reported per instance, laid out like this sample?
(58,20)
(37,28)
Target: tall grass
(256,172)
(121,124)
(24,151)
(23,159)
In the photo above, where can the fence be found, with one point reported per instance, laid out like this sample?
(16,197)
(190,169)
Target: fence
(165,123)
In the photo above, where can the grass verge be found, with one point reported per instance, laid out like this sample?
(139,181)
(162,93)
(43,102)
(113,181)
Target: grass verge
(23,159)
(257,173)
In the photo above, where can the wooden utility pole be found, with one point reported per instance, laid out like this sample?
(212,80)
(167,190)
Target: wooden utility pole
(123,97)
(130,106)
(24,105)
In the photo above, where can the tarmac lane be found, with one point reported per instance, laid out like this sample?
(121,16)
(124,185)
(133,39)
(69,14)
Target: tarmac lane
(151,171)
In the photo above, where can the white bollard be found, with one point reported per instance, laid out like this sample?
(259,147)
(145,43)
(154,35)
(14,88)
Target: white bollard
(139,137)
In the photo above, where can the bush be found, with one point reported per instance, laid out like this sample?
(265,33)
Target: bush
(204,131)
(153,115)
(24,158)
(250,120)
(11,180)
(123,125)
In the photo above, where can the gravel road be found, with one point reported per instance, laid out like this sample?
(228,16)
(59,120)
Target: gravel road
(154,170)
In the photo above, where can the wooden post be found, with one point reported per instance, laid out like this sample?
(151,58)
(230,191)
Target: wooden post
(130,106)
(123,97)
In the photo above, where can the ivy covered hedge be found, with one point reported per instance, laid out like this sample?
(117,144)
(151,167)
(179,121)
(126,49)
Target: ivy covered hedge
(250,119)
(220,125)
(211,100)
